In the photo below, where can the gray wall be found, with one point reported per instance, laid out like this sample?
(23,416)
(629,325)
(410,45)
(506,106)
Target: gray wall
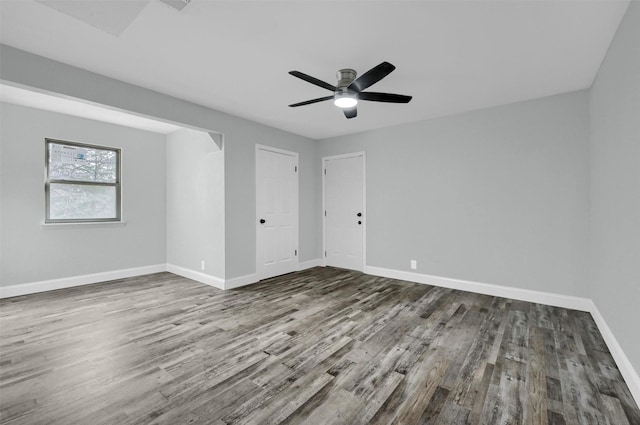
(499,195)
(195,202)
(241,135)
(615,186)
(31,253)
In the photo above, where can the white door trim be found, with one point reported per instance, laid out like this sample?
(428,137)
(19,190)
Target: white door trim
(363,154)
(297,204)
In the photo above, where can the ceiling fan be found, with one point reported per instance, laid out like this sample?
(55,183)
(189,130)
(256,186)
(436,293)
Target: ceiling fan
(349,89)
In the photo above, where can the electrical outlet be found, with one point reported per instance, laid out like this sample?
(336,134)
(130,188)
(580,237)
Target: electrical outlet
(414,264)
(202,265)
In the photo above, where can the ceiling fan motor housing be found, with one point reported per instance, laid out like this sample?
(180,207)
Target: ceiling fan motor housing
(345,78)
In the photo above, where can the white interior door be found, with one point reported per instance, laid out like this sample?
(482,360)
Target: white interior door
(276,212)
(344,212)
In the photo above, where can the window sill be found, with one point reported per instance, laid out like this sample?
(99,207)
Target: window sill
(87,225)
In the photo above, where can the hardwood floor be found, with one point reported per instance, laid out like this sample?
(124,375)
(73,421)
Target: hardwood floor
(322,346)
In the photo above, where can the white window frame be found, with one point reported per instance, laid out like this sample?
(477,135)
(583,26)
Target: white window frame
(48,181)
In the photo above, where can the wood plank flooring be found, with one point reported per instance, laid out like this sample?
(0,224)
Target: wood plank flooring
(322,346)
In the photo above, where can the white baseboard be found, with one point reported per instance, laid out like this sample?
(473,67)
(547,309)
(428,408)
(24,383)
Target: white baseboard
(207,279)
(67,282)
(310,264)
(627,370)
(239,281)
(557,300)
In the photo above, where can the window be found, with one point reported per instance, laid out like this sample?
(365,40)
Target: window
(82,182)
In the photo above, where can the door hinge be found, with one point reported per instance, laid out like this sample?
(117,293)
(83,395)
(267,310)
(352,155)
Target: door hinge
(325,253)
(325,213)
(325,171)
(295,252)
(295,169)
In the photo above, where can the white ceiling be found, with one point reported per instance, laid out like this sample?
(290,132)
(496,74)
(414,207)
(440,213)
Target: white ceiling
(77,108)
(234,56)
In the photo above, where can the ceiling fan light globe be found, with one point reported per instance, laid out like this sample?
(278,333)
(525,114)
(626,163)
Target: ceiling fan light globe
(345,102)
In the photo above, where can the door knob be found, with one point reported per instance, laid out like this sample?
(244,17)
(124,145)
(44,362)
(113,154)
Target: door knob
(359,214)
(359,222)
(262,221)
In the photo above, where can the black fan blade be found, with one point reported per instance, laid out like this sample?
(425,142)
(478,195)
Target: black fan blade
(384,97)
(309,102)
(351,112)
(371,77)
(312,80)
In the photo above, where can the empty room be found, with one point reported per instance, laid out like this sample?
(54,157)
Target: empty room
(319,212)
